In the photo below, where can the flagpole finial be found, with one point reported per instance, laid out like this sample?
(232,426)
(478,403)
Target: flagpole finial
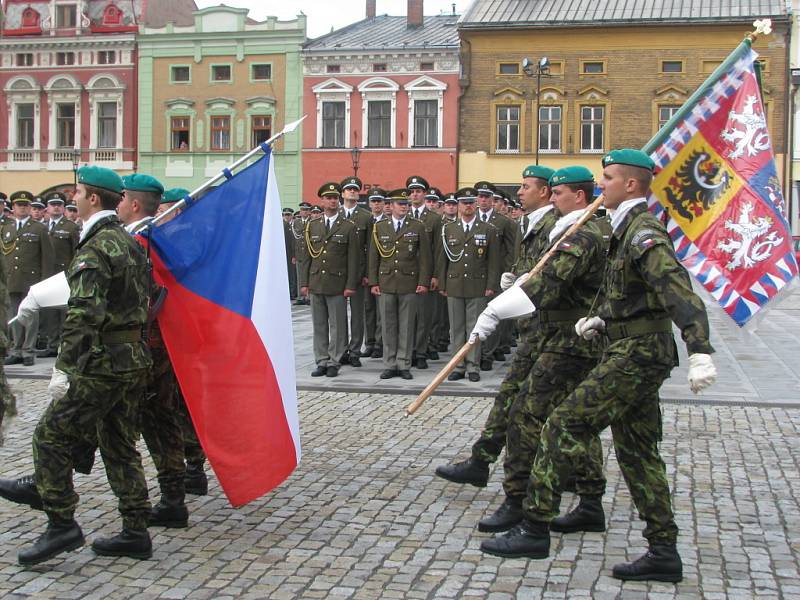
(762,27)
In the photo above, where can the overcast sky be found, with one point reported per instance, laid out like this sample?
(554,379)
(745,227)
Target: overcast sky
(324,14)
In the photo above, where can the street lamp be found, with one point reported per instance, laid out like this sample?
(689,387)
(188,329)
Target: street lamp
(76,160)
(539,70)
(355,156)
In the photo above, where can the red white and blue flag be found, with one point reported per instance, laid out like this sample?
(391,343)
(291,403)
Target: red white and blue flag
(227,325)
(717,188)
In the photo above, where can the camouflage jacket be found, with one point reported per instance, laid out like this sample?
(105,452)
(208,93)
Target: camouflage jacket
(565,289)
(107,308)
(532,247)
(645,282)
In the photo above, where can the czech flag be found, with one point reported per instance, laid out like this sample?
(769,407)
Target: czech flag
(227,325)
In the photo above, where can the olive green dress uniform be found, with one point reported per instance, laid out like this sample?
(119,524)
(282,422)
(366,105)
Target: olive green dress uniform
(468,264)
(373,336)
(426,302)
(8,403)
(29,260)
(297,228)
(645,288)
(399,261)
(362,219)
(331,264)
(64,236)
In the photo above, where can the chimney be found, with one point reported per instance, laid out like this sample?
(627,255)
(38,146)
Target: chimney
(370,9)
(414,14)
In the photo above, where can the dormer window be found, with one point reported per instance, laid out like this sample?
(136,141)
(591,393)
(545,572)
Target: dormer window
(112,16)
(66,16)
(30,18)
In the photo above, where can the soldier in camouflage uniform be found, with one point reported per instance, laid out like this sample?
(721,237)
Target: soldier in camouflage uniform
(645,290)
(98,381)
(534,193)
(563,292)
(8,403)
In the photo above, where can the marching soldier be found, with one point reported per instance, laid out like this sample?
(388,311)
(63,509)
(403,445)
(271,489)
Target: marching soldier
(361,218)
(534,194)
(329,274)
(372,318)
(64,236)
(400,263)
(468,260)
(645,290)
(29,259)
(8,403)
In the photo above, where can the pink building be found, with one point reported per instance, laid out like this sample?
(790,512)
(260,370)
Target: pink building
(389,87)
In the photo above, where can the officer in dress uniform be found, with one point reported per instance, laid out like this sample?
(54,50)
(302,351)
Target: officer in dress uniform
(329,274)
(362,219)
(64,236)
(38,210)
(468,260)
(291,272)
(372,319)
(297,227)
(29,259)
(400,263)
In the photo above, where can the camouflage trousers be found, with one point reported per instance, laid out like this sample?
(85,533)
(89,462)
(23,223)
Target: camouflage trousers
(192,449)
(108,410)
(493,437)
(552,377)
(620,392)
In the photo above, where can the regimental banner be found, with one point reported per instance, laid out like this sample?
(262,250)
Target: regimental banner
(717,183)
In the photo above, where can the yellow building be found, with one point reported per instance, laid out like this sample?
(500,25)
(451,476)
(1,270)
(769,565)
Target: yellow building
(611,80)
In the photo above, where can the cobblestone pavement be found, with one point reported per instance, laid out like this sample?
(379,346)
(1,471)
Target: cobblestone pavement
(364,516)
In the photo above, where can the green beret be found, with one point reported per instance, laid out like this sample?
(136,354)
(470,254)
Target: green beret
(398,195)
(574,174)
(100,177)
(329,189)
(139,182)
(174,195)
(538,171)
(630,157)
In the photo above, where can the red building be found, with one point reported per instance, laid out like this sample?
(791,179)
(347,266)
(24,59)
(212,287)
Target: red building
(68,82)
(389,87)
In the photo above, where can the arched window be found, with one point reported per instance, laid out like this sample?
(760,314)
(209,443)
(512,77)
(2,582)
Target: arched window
(30,18)
(112,15)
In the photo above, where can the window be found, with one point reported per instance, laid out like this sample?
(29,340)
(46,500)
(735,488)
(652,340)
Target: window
(592,128)
(672,66)
(379,124)
(112,16)
(556,67)
(220,133)
(708,66)
(25,137)
(106,57)
(65,58)
(508,128)
(665,113)
(180,74)
(107,125)
(550,128)
(426,66)
(426,123)
(180,133)
(24,59)
(30,18)
(220,72)
(333,69)
(508,68)
(379,67)
(333,125)
(593,67)
(66,15)
(65,125)
(262,129)
(261,72)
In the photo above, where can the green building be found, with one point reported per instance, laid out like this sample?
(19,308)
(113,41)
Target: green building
(211,91)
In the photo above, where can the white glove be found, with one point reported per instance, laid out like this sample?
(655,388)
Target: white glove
(522,279)
(702,372)
(27,310)
(589,327)
(485,325)
(507,280)
(59,385)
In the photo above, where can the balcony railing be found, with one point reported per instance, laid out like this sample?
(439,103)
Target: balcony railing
(23,156)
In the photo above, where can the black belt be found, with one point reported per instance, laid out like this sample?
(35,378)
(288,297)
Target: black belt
(555,316)
(637,327)
(121,337)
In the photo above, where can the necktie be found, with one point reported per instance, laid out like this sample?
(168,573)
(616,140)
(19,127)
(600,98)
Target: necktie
(416,214)
(19,225)
(327,225)
(466,227)
(52,226)
(484,217)
(397,229)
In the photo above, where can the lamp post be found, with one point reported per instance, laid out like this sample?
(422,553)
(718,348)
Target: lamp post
(76,160)
(355,156)
(539,70)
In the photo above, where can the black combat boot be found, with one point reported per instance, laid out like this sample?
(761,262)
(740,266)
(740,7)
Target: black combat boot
(195,481)
(170,512)
(61,535)
(528,539)
(504,518)
(134,543)
(587,516)
(472,471)
(660,563)
(22,491)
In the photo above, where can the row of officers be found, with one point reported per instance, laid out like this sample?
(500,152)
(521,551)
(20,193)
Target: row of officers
(416,279)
